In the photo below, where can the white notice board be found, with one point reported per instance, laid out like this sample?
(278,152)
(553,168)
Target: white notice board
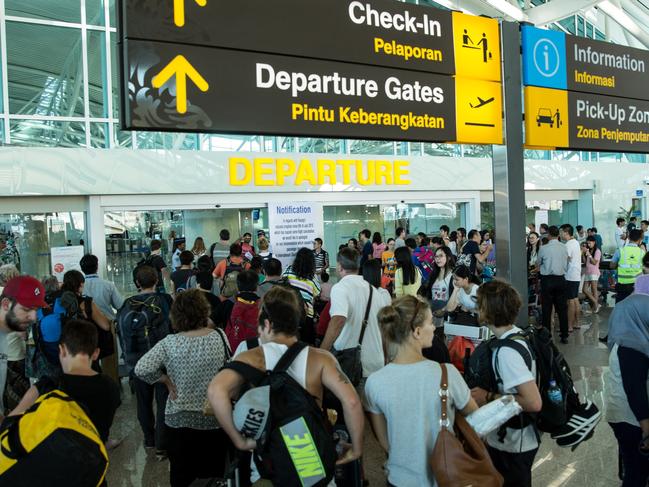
(293,226)
(65,259)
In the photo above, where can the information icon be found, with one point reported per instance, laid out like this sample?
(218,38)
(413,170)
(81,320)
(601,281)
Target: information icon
(544,58)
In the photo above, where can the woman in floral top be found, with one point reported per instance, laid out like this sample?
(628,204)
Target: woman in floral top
(186,362)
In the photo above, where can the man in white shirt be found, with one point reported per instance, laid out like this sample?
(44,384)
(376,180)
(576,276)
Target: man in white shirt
(349,298)
(620,233)
(573,274)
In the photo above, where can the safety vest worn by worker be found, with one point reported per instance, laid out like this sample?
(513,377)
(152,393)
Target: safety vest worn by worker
(629,266)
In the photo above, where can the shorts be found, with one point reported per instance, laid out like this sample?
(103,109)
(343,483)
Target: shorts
(591,277)
(572,289)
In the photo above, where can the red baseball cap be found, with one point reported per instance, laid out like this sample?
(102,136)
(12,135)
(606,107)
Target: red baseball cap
(27,291)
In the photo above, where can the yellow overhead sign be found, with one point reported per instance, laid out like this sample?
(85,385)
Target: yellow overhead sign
(477,46)
(546,117)
(478,107)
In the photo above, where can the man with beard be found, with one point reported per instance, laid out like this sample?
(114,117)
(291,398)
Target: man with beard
(20,299)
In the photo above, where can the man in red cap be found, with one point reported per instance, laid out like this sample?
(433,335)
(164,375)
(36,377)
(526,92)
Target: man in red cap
(20,299)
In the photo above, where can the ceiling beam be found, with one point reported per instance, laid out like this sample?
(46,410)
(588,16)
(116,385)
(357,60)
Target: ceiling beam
(554,11)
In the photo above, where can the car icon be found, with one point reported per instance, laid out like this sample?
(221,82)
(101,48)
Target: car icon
(545,116)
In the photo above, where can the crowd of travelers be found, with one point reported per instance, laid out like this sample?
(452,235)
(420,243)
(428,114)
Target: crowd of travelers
(242,363)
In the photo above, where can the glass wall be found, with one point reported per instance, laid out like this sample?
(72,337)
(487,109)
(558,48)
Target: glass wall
(26,239)
(344,222)
(129,234)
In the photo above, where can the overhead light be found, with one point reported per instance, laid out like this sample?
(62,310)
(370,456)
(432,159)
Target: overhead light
(508,9)
(619,15)
(450,4)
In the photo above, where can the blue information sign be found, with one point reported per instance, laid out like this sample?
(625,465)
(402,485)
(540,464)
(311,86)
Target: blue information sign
(544,58)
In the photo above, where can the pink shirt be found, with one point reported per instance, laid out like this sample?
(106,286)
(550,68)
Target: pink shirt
(378,250)
(592,269)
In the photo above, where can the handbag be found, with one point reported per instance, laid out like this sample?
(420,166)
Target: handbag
(350,358)
(460,459)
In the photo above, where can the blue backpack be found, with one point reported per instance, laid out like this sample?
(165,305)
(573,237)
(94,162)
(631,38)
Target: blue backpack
(43,357)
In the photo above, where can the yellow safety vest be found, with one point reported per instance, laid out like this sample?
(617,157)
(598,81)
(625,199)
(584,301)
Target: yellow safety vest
(629,266)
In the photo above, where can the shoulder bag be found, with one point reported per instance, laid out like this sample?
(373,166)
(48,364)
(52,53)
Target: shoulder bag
(350,358)
(460,459)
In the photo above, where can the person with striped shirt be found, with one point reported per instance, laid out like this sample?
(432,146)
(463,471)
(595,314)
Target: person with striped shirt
(302,276)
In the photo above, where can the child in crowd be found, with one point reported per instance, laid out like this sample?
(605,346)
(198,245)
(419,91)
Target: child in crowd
(97,393)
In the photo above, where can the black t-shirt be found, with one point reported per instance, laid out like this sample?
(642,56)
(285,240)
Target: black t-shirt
(97,394)
(467,257)
(158,263)
(223,313)
(180,278)
(215,304)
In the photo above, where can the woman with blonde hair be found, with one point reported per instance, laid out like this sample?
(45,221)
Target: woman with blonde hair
(199,249)
(411,383)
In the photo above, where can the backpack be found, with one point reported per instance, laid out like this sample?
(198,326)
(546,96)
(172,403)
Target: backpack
(550,366)
(295,445)
(426,259)
(229,286)
(243,322)
(53,443)
(142,322)
(148,260)
(43,357)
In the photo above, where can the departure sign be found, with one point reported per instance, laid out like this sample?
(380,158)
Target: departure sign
(375,69)
(584,94)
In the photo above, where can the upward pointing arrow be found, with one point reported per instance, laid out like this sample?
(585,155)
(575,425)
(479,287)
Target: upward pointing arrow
(180,67)
(179,11)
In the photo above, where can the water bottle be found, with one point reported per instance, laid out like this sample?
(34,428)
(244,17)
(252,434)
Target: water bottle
(554,393)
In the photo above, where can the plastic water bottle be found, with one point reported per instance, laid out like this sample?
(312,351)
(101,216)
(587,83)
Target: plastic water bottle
(554,393)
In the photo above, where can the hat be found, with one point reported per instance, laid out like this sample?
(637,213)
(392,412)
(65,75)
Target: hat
(260,232)
(251,412)
(641,285)
(27,291)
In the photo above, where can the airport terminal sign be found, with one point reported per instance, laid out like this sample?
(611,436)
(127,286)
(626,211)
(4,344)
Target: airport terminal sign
(584,94)
(553,59)
(568,119)
(265,93)
(372,70)
(376,32)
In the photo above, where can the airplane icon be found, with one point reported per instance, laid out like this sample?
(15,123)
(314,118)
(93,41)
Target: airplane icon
(481,102)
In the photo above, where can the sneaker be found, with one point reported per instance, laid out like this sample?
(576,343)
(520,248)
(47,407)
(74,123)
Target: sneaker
(149,445)
(564,340)
(161,455)
(603,339)
(579,427)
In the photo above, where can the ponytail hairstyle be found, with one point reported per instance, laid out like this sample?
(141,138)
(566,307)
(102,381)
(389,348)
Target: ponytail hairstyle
(463,272)
(400,319)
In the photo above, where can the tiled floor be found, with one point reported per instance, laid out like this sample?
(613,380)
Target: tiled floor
(592,464)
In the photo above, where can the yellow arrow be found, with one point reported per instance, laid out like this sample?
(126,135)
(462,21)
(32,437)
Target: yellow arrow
(179,11)
(180,67)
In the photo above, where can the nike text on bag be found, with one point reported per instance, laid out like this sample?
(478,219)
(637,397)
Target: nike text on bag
(53,443)
(460,459)
(295,444)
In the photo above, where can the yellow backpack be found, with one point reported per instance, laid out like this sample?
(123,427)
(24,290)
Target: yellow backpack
(53,443)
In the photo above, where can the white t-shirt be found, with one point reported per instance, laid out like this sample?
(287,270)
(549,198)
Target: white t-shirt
(574,260)
(513,371)
(468,300)
(408,396)
(349,299)
(440,288)
(619,243)
(617,402)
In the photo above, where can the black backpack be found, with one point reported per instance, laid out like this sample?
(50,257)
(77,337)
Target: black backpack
(291,407)
(550,366)
(142,322)
(149,262)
